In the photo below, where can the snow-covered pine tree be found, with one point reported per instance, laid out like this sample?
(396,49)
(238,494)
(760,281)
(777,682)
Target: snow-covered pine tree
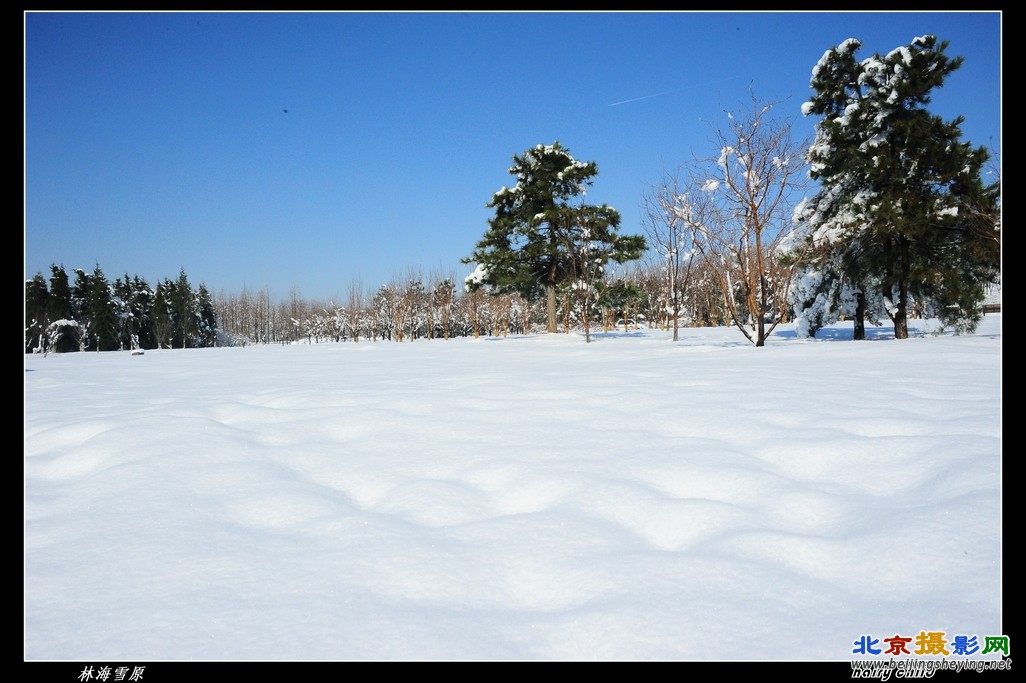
(902,212)
(540,225)
(95,310)
(142,310)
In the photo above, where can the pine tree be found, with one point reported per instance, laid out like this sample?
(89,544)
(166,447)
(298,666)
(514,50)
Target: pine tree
(122,294)
(184,312)
(133,300)
(163,325)
(81,310)
(37,314)
(142,311)
(62,335)
(102,312)
(542,226)
(621,297)
(207,319)
(903,214)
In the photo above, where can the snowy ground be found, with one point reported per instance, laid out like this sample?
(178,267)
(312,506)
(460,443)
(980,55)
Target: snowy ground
(524,498)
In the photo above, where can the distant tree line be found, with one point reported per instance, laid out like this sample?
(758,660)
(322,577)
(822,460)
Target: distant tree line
(87,312)
(96,314)
(414,307)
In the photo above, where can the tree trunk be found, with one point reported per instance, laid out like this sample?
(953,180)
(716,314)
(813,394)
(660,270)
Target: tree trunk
(587,325)
(762,304)
(900,316)
(550,306)
(860,316)
(901,323)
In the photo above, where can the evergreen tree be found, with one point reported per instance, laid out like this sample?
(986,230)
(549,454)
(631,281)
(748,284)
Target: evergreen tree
(121,292)
(183,311)
(96,314)
(541,227)
(103,312)
(621,298)
(62,336)
(37,314)
(81,311)
(207,319)
(903,214)
(142,312)
(443,296)
(133,300)
(162,319)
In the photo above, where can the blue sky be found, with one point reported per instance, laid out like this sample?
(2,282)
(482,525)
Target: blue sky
(310,150)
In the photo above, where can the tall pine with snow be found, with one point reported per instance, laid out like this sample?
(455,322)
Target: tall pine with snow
(542,227)
(903,220)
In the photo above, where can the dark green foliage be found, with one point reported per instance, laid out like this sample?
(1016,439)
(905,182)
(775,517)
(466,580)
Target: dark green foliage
(206,317)
(81,310)
(134,301)
(62,337)
(92,300)
(903,210)
(542,234)
(622,297)
(60,293)
(37,314)
(162,319)
(98,315)
(183,312)
(104,310)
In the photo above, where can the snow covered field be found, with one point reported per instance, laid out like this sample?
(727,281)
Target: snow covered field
(524,498)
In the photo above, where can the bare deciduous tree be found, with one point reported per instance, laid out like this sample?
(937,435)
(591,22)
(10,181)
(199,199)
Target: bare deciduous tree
(667,223)
(738,207)
(356,305)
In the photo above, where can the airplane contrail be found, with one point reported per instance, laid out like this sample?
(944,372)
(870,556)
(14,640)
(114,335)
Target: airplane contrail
(638,99)
(687,87)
